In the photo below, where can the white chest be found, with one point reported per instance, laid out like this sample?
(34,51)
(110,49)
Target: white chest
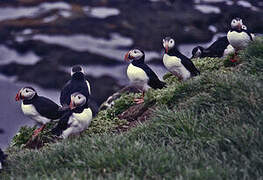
(30,111)
(137,75)
(81,120)
(238,40)
(174,65)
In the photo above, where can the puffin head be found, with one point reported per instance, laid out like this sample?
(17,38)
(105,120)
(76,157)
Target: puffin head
(76,68)
(134,55)
(168,43)
(197,52)
(244,27)
(77,100)
(236,23)
(25,93)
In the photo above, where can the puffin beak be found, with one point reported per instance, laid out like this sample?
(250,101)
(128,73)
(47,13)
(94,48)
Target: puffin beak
(239,26)
(166,47)
(18,96)
(127,55)
(72,105)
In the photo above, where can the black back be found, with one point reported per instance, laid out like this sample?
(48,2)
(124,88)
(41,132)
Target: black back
(188,64)
(45,107)
(63,122)
(154,82)
(76,84)
(2,156)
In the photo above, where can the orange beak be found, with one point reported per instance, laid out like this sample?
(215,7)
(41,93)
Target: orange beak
(126,58)
(166,48)
(71,105)
(18,96)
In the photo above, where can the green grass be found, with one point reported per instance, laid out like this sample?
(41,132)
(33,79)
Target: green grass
(210,127)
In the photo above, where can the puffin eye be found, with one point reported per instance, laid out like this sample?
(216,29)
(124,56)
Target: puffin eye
(79,97)
(26,91)
(171,41)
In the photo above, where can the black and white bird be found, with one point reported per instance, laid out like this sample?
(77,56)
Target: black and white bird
(38,108)
(177,63)
(78,83)
(239,37)
(77,119)
(217,49)
(140,74)
(2,158)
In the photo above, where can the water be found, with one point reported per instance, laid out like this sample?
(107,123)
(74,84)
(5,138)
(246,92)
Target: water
(10,13)
(115,47)
(8,55)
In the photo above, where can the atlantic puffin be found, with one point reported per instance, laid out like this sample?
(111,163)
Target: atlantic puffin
(177,63)
(2,158)
(77,119)
(140,74)
(238,37)
(215,50)
(77,83)
(38,108)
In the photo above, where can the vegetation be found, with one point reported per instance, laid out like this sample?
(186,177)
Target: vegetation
(209,127)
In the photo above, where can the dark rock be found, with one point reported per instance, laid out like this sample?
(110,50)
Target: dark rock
(135,112)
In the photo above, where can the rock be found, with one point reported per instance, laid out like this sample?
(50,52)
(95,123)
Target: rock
(134,113)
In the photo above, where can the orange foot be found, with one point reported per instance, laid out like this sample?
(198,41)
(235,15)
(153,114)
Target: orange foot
(37,131)
(139,100)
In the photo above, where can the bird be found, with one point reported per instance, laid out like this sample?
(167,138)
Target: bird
(177,63)
(140,74)
(77,83)
(38,108)
(2,158)
(77,119)
(217,49)
(238,36)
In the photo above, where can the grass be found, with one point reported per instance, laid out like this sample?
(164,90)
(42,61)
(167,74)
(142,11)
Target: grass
(209,127)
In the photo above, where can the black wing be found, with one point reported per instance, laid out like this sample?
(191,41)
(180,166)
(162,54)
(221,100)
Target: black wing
(47,108)
(189,65)
(62,124)
(154,81)
(65,93)
(2,156)
(72,87)
(249,34)
(218,47)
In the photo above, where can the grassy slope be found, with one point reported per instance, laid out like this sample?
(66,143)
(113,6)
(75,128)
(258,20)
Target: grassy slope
(209,127)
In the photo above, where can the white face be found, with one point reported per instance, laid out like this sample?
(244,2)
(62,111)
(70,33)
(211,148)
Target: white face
(244,27)
(27,93)
(168,44)
(236,23)
(77,100)
(135,54)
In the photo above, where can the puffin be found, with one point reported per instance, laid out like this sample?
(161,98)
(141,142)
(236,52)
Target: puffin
(217,49)
(77,119)
(77,83)
(237,36)
(2,158)
(38,108)
(177,63)
(140,74)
